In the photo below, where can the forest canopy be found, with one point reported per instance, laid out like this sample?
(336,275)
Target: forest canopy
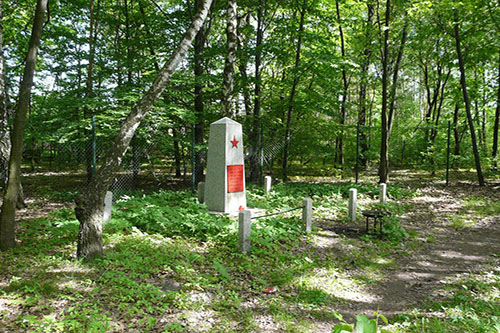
(307,73)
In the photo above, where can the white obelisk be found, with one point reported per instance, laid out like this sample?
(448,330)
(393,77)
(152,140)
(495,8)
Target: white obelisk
(225,180)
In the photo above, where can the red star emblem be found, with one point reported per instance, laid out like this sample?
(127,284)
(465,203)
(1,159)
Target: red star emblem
(234,142)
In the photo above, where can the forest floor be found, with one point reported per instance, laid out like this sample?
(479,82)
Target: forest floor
(444,277)
(458,237)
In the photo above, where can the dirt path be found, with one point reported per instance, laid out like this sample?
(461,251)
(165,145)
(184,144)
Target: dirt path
(443,253)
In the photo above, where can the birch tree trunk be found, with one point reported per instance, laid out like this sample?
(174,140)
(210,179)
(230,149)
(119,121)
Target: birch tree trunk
(8,214)
(497,121)
(90,202)
(4,116)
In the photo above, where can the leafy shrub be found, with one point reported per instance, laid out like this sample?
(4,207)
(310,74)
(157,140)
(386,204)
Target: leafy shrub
(172,214)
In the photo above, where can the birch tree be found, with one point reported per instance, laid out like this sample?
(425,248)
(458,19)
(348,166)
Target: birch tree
(90,202)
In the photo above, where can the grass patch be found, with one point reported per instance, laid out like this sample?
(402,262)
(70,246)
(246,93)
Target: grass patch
(171,266)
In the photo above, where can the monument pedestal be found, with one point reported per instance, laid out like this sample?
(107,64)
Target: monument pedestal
(225,180)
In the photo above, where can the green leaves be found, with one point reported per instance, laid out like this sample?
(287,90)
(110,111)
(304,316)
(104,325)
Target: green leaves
(365,324)
(221,269)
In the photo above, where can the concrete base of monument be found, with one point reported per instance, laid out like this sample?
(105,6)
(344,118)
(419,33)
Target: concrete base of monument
(253,211)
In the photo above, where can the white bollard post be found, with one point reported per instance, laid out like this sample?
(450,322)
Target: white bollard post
(244,228)
(108,203)
(267,184)
(353,194)
(383,193)
(307,214)
(201,192)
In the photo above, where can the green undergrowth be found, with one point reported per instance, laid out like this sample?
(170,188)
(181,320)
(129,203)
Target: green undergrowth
(171,266)
(472,210)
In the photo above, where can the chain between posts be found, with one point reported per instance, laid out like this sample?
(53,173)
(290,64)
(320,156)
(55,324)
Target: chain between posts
(272,214)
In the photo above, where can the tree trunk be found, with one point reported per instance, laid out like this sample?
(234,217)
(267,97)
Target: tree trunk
(232,42)
(367,52)
(345,90)
(497,121)
(395,76)
(436,116)
(177,153)
(255,131)
(90,202)
(293,91)
(199,45)
(463,83)
(383,170)
(456,133)
(4,115)
(88,113)
(242,66)
(8,214)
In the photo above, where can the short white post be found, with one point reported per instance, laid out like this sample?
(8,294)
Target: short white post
(307,214)
(108,203)
(244,228)
(353,194)
(267,184)
(383,193)
(201,192)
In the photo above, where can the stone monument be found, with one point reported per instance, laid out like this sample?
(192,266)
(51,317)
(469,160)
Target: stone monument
(225,180)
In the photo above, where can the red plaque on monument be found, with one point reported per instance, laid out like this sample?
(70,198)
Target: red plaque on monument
(235,178)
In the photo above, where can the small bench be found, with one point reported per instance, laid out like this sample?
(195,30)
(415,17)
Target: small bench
(375,215)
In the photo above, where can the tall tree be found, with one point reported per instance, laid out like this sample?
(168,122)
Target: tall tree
(4,129)
(199,108)
(90,87)
(296,76)
(8,214)
(494,150)
(345,90)
(389,97)
(384,141)
(255,131)
(90,202)
(232,42)
(463,83)
(365,63)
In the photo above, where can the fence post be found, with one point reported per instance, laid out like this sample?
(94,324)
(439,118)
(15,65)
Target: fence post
(383,193)
(201,192)
(267,184)
(353,193)
(244,228)
(307,214)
